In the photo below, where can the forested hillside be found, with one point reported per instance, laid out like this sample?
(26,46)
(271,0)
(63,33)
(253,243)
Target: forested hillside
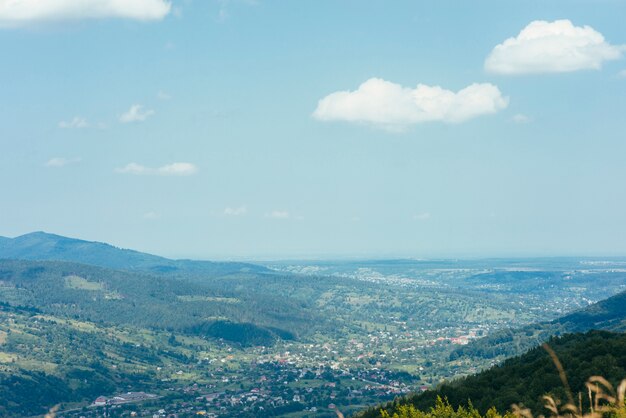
(525,379)
(47,360)
(608,314)
(113,297)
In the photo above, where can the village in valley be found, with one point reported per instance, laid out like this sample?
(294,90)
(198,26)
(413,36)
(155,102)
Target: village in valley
(297,379)
(393,332)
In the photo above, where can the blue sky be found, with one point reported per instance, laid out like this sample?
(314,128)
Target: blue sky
(272,129)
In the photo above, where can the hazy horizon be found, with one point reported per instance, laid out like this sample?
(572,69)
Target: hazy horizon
(354,257)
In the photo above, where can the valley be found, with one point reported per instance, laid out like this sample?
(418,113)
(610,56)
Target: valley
(289,339)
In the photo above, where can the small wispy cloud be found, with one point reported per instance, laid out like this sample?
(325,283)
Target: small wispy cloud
(278,214)
(133,168)
(136,113)
(173,169)
(75,123)
(162,95)
(177,169)
(238,211)
(521,118)
(59,162)
(424,216)
(151,216)
(622,74)
(225,5)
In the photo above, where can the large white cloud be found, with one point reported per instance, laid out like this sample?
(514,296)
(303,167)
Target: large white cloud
(392,106)
(552,47)
(15,13)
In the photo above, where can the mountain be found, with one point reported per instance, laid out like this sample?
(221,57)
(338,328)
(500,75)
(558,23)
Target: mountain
(608,314)
(44,246)
(525,379)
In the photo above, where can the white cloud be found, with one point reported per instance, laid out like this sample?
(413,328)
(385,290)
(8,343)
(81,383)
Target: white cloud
(424,216)
(552,47)
(133,168)
(521,118)
(173,169)
(391,106)
(136,113)
(76,123)
(241,210)
(59,162)
(622,74)
(278,214)
(16,13)
(177,169)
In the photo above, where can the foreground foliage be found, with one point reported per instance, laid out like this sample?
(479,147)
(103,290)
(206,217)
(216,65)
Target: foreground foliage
(604,402)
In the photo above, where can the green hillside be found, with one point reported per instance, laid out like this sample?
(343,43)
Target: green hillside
(47,360)
(608,314)
(122,298)
(525,379)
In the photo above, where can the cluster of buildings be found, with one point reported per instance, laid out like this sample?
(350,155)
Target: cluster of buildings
(124,398)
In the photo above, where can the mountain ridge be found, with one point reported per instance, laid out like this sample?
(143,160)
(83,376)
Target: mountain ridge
(44,246)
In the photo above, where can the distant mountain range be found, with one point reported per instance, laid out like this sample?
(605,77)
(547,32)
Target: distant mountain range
(45,246)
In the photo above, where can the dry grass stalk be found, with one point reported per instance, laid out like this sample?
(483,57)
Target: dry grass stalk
(604,400)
